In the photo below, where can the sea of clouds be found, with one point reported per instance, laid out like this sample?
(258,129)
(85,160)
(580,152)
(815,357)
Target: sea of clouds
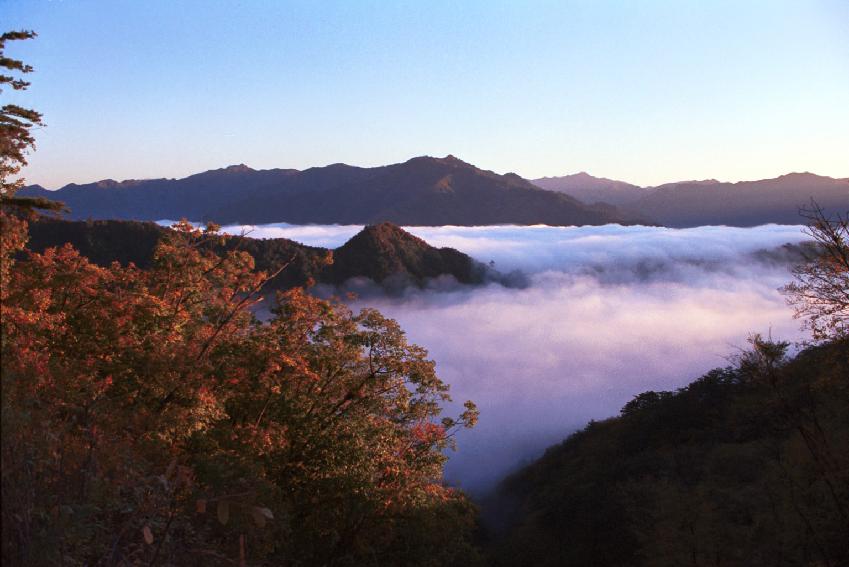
(607,312)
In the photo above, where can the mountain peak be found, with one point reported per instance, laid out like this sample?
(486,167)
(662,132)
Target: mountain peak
(384,250)
(239,168)
(447,160)
(581,177)
(591,189)
(799,175)
(213,174)
(384,233)
(230,169)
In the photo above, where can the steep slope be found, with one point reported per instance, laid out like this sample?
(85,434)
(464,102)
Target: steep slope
(421,191)
(380,253)
(746,203)
(589,189)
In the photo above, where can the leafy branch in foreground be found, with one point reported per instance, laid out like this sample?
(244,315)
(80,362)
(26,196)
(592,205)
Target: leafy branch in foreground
(820,292)
(16,122)
(16,125)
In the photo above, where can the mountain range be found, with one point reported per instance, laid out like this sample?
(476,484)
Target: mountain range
(420,191)
(445,191)
(711,202)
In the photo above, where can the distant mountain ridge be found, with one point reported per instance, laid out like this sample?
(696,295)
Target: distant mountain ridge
(440,191)
(711,202)
(420,191)
(745,203)
(590,189)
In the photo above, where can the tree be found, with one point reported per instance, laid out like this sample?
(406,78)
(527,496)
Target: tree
(820,293)
(149,417)
(16,125)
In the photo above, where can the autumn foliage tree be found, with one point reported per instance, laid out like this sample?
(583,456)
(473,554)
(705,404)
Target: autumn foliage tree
(149,417)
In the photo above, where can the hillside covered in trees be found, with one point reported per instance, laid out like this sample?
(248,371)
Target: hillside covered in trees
(148,417)
(748,465)
(384,253)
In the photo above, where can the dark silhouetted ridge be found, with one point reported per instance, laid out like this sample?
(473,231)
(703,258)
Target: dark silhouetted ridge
(708,201)
(421,191)
(381,252)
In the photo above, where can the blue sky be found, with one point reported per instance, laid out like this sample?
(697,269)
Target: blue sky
(647,92)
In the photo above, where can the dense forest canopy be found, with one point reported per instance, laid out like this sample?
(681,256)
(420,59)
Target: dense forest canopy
(139,404)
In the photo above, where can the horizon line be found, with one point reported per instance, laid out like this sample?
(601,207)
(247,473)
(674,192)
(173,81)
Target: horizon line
(448,156)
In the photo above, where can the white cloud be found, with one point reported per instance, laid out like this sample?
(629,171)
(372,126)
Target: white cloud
(610,312)
(539,248)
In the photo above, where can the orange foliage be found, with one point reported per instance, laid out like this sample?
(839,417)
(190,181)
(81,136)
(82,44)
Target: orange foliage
(133,398)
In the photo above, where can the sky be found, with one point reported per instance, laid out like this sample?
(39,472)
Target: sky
(647,92)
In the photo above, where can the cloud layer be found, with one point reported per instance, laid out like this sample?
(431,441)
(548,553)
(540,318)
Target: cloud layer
(610,312)
(539,248)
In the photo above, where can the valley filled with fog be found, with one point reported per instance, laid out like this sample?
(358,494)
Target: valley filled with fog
(600,315)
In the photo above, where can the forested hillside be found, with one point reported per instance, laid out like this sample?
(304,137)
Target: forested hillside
(382,253)
(748,465)
(149,418)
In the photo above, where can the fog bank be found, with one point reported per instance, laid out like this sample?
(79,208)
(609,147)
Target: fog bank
(610,312)
(543,361)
